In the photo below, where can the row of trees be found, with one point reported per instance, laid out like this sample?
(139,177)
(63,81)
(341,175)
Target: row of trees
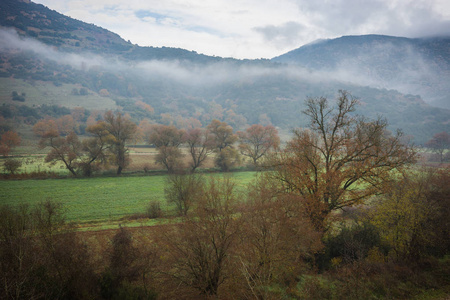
(218,137)
(107,143)
(109,137)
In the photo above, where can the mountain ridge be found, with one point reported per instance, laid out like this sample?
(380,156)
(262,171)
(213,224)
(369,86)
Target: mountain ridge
(69,34)
(414,65)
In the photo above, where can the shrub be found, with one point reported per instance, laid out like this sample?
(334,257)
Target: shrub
(351,244)
(12,165)
(154,210)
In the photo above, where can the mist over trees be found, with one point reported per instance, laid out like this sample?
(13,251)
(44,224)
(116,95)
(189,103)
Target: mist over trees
(439,144)
(237,92)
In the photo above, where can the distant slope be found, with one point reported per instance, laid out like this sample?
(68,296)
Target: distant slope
(68,34)
(416,66)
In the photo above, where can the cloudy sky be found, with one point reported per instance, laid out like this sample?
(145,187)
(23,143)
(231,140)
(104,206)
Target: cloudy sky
(255,28)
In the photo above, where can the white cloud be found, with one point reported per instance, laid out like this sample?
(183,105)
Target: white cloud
(255,28)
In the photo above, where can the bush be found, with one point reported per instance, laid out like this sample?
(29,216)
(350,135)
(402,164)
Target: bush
(12,165)
(227,159)
(17,97)
(315,287)
(353,243)
(154,210)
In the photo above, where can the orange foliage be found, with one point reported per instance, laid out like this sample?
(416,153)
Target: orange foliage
(144,106)
(45,127)
(9,140)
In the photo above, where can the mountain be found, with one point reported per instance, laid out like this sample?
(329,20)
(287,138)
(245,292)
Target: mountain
(418,66)
(59,64)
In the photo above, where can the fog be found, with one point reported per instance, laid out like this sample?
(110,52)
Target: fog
(414,78)
(183,72)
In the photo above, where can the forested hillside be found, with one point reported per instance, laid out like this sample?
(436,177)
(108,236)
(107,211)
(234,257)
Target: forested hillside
(417,66)
(52,58)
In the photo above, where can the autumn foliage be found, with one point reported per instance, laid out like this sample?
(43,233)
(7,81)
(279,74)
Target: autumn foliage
(257,141)
(8,141)
(340,160)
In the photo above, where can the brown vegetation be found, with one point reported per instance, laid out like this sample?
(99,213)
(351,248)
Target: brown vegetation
(340,160)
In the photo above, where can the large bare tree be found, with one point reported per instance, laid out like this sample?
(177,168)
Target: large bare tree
(341,159)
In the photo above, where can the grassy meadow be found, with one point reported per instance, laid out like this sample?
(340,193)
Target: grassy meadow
(38,93)
(98,199)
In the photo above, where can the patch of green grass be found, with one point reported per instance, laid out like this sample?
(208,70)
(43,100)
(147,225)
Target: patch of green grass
(47,93)
(98,199)
(36,163)
(89,199)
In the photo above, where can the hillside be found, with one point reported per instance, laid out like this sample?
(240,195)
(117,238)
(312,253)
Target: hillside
(416,66)
(51,58)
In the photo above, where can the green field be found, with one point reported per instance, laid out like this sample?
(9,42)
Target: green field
(98,199)
(39,93)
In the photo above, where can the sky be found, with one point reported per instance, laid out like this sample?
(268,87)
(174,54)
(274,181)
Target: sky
(253,29)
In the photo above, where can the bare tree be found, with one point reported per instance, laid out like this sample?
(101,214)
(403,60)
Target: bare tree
(276,239)
(86,156)
(224,138)
(200,142)
(223,134)
(167,139)
(122,130)
(8,141)
(95,148)
(341,159)
(200,247)
(65,149)
(257,140)
(183,190)
(439,144)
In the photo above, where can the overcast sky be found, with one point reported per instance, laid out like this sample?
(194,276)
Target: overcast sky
(255,28)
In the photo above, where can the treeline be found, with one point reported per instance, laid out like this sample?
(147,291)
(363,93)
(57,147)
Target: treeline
(110,136)
(31,115)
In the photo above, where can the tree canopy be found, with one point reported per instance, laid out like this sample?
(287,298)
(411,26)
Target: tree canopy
(341,159)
